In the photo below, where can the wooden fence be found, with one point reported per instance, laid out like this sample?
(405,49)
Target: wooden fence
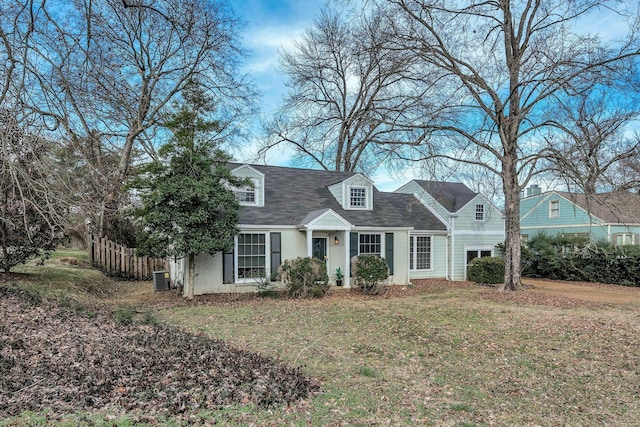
(121,261)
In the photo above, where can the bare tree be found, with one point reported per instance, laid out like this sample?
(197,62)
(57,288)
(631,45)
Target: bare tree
(348,95)
(592,145)
(503,62)
(103,75)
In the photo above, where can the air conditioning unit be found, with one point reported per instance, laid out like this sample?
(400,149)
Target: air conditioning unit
(161,280)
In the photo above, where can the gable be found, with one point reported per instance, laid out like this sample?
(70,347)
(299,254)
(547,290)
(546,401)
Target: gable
(325,219)
(620,207)
(552,209)
(250,196)
(479,214)
(355,192)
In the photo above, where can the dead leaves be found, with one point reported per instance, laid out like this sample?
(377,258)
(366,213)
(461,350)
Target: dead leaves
(53,358)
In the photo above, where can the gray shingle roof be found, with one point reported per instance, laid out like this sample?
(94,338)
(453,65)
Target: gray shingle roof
(451,195)
(621,207)
(292,194)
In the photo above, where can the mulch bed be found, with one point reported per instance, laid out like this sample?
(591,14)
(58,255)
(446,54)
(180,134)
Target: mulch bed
(60,360)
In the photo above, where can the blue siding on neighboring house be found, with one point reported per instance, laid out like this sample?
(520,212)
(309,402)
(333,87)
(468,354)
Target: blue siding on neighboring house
(570,216)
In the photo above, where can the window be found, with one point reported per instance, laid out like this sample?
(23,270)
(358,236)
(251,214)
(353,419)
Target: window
(370,244)
(420,253)
(246,195)
(357,197)
(554,208)
(623,239)
(479,212)
(252,258)
(477,253)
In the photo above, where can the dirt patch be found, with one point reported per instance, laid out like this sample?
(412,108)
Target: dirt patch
(54,357)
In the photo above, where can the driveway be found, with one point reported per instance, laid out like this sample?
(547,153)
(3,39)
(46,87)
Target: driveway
(603,294)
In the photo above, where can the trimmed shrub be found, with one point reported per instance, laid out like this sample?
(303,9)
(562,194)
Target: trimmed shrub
(304,277)
(371,273)
(487,270)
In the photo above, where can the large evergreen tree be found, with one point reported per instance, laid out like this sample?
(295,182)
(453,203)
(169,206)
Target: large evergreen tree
(189,207)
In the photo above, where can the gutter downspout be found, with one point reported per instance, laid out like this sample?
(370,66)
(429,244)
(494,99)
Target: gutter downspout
(452,221)
(447,274)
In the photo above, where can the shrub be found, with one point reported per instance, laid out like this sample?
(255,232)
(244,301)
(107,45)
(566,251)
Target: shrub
(371,273)
(488,270)
(581,260)
(305,277)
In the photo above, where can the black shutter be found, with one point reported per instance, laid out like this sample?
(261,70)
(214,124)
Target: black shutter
(353,248)
(228,273)
(353,245)
(276,255)
(388,250)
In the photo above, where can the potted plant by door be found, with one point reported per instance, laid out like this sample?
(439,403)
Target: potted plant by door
(339,276)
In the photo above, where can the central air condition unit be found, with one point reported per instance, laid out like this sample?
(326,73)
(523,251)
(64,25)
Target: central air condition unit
(161,280)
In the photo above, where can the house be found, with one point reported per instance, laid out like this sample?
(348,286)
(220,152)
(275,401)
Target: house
(475,225)
(333,216)
(612,217)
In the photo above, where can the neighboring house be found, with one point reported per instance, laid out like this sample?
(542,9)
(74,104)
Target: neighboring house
(334,216)
(614,217)
(475,225)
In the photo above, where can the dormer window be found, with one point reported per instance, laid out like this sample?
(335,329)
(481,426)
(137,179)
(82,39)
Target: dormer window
(246,195)
(358,197)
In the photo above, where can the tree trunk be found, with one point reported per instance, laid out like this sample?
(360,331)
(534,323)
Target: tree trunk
(512,277)
(192,270)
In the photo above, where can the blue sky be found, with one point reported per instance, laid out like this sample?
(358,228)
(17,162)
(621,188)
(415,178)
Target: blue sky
(270,26)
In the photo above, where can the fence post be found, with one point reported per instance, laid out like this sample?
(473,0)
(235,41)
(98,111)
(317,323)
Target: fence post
(90,247)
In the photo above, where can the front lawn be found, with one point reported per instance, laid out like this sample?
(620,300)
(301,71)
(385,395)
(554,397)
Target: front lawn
(440,353)
(445,355)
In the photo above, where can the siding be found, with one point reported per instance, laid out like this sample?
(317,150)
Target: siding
(571,219)
(466,219)
(329,221)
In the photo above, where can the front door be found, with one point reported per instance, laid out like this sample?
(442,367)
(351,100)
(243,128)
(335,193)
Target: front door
(319,248)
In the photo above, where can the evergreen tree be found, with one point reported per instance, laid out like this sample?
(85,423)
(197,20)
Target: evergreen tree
(189,207)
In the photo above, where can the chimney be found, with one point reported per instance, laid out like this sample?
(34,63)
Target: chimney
(533,190)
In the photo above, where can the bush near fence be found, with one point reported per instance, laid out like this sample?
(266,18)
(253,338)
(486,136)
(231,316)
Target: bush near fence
(120,261)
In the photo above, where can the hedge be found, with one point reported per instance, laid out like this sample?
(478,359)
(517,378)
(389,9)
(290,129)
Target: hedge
(581,260)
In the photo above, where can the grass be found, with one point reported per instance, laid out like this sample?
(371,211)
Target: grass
(447,356)
(66,276)
(451,358)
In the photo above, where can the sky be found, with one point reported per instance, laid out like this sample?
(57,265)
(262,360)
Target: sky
(270,26)
(273,25)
